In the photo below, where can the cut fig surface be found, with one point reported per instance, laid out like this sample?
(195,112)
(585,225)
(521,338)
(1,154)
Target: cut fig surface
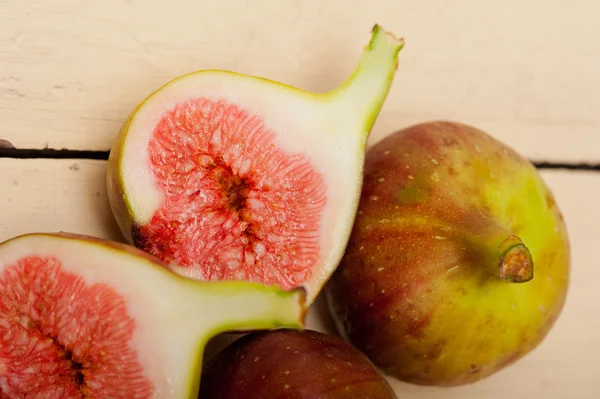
(225,176)
(81,317)
(235,206)
(61,336)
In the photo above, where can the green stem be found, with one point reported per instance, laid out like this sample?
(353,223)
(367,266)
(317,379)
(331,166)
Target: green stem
(364,92)
(502,254)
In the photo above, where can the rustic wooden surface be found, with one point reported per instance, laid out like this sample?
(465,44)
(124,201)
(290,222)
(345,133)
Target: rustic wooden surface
(528,72)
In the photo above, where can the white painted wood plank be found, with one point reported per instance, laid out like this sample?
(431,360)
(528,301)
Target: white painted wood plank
(52,195)
(526,71)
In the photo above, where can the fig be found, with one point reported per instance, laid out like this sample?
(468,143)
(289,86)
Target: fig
(292,364)
(458,263)
(225,176)
(81,317)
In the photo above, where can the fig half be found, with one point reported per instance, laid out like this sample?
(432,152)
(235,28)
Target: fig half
(225,176)
(81,317)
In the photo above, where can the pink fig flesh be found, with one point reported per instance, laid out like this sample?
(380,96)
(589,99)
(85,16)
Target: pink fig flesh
(62,337)
(235,205)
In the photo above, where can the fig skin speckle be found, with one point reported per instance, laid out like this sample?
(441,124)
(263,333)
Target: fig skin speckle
(292,364)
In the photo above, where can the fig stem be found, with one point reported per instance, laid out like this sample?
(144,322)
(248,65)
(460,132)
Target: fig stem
(516,263)
(366,89)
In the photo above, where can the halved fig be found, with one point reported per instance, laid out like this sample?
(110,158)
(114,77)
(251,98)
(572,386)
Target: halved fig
(225,176)
(81,317)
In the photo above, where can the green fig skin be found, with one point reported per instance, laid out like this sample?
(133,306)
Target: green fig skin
(292,364)
(458,262)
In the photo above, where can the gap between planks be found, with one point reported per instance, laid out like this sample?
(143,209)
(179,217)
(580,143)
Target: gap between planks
(8,151)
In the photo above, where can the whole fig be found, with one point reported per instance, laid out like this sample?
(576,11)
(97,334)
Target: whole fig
(292,364)
(458,262)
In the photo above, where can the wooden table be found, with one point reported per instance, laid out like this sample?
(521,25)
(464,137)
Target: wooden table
(528,72)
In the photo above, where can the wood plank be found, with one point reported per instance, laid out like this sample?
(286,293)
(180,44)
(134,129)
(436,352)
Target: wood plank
(52,195)
(527,72)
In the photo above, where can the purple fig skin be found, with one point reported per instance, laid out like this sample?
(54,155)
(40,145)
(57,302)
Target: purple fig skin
(458,262)
(292,364)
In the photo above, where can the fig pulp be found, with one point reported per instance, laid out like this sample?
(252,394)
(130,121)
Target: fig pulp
(225,176)
(458,262)
(293,365)
(81,317)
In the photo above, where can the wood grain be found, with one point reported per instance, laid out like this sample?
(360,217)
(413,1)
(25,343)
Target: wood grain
(525,71)
(53,195)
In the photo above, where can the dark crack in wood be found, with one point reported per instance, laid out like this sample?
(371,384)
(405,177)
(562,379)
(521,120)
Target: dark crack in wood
(7,150)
